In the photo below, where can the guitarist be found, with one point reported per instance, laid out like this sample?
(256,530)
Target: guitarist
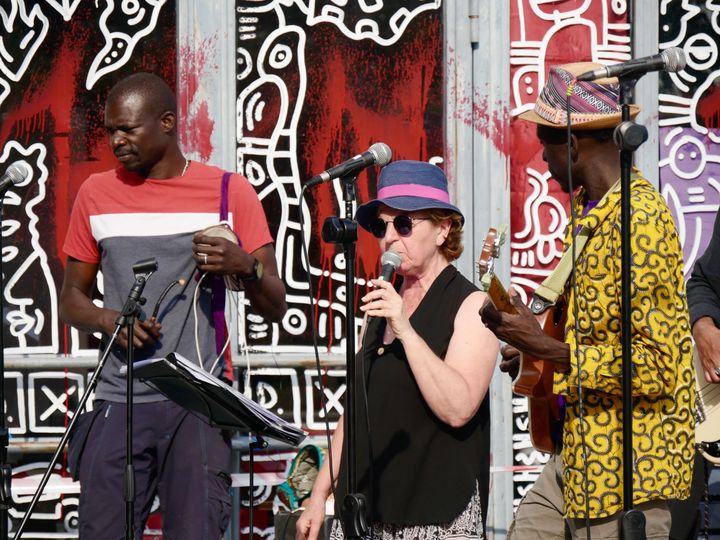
(703,289)
(581,485)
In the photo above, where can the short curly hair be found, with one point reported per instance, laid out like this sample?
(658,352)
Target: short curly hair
(453,247)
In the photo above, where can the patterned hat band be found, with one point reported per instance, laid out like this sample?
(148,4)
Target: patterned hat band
(593,104)
(587,102)
(558,116)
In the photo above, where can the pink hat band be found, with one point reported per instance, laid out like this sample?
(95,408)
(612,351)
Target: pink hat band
(413,190)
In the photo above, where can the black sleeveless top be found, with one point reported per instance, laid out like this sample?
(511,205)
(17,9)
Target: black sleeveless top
(413,468)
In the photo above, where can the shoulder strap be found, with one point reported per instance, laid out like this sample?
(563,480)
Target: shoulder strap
(551,288)
(218,283)
(224,189)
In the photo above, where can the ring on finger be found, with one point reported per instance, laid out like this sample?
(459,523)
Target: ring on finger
(204,258)
(717,371)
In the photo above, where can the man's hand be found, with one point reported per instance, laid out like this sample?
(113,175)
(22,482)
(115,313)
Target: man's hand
(510,362)
(78,309)
(145,333)
(707,344)
(522,331)
(221,256)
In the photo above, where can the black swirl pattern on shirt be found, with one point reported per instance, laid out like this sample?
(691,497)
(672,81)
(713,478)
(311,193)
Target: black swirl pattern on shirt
(663,378)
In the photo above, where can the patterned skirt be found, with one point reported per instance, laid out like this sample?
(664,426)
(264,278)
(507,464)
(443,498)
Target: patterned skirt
(467,525)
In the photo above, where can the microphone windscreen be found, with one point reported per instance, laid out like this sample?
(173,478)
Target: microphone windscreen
(674,59)
(390,261)
(382,153)
(18,172)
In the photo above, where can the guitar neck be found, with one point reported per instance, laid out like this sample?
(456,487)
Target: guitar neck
(499,296)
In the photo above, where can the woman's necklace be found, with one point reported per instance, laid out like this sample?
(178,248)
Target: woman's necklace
(185,168)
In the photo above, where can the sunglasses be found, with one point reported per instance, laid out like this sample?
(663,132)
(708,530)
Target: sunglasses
(403,225)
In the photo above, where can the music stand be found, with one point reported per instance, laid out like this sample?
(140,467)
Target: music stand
(194,389)
(198,391)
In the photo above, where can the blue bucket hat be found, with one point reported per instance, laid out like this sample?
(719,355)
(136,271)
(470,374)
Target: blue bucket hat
(408,185)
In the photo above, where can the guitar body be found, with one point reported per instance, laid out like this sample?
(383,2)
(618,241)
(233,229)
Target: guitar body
(535,377)
(535,381)
(707,427)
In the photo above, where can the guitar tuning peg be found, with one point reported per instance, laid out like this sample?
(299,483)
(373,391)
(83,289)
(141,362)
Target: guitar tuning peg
(502,231)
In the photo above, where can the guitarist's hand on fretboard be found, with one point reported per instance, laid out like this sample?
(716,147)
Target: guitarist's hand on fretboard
(522,331)
(531,341)
(519,329)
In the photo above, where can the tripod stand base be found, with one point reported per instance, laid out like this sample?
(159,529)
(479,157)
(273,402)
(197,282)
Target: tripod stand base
(633,525)
(354,516)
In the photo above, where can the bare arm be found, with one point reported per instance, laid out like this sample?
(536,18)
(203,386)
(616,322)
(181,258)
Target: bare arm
(455,386)
(308,526)
(77,308)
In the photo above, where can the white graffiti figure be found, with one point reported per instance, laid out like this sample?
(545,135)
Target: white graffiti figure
(272,79)
(29,284)
(366,19)
(66,8)
(268,111)
(540,240)
(123,25)
(21,34)
(689,122)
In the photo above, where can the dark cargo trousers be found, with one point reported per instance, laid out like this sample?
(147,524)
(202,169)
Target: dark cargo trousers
(176,455)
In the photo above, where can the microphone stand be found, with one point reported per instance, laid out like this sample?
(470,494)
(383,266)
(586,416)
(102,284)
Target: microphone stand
(628,136)
(344,231)
(127,314)
(5,469)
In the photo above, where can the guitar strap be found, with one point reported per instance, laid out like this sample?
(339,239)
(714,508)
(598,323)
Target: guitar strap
(552,287)
(218,287)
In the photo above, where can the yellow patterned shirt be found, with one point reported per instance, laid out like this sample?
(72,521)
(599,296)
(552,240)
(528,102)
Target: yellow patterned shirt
(663,376)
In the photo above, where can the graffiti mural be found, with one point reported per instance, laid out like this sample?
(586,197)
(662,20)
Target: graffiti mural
(29,296)
(58,58)
(317,84)
(689,136)
(317,81)
(544,34)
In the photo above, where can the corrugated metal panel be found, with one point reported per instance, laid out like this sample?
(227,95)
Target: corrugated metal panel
(477,116)
(645,42)
(206,75)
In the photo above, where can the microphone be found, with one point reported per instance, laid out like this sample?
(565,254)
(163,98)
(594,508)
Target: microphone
(671,60)
(16,173)
(390,261)
(145,266)
(378,154)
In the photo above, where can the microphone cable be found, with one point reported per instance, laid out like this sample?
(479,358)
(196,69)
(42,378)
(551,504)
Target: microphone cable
(177,299)
(182,282)
(574,286)
(313,333)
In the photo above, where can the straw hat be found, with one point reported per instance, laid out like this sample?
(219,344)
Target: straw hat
(593,104)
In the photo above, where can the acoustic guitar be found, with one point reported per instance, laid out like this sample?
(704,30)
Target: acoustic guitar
(535,377)
(707,427)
